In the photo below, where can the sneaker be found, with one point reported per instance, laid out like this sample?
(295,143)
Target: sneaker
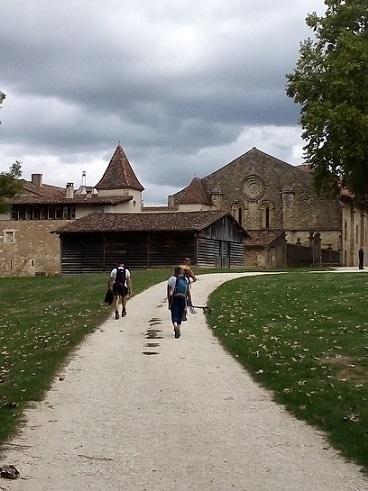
(123,314)
(116,314)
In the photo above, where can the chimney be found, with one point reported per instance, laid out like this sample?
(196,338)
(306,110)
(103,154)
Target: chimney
(37,180)
(69,190)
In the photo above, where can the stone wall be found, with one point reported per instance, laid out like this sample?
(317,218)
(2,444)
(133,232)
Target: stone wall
(354,234)
(267,257)
(329,238)
(28,248)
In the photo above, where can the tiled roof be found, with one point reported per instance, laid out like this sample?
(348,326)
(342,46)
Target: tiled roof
(195,193)
(44,191)
(155,208)
(62,200)
(119,173)
(142,222)
(263,238)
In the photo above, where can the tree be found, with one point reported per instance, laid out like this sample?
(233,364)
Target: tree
(330,82)
(10,185)
(2,97)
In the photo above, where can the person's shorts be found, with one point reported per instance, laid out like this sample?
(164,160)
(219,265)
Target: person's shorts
(119,290)
(177,308)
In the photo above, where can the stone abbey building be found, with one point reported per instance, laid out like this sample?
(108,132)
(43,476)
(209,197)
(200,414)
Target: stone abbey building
(275,202)
(286,222)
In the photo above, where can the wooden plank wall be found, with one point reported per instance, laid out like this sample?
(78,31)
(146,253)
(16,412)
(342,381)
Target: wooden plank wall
(224,229)
(219,253)
(237,259)
(208,253)
(87,253)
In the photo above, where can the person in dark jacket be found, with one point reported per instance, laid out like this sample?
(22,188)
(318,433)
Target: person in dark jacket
(361,258)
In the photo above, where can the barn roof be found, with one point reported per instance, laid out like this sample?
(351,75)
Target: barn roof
(119,173)
(146,222)
(263,238)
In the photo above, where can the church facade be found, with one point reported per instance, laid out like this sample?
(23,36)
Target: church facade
(266,194)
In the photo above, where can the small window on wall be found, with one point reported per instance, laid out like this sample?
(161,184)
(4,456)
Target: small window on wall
(240,216)
(43,213)
(357,233)
(9,236)
(36,213)
(346,231)
(58,213)
(267,217)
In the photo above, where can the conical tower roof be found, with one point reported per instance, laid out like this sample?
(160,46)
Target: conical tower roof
(195,194)
(119,174)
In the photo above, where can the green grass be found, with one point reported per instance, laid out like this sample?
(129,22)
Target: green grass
(305,336)
(41,321)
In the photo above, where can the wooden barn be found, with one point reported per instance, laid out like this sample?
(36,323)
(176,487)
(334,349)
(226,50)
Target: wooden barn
(97,242)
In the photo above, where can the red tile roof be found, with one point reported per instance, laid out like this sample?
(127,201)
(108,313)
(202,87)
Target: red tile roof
(119,173)
(263,238)
(44,191)
(195,193)
(62,200)
(145,222)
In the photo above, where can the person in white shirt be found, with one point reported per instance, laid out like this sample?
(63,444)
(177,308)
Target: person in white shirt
(121,286)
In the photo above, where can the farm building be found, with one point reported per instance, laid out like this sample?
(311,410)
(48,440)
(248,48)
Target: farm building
(99,241)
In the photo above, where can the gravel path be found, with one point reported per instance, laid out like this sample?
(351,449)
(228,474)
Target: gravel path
(185,417)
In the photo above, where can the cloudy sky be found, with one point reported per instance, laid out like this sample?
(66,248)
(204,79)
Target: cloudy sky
(186,86)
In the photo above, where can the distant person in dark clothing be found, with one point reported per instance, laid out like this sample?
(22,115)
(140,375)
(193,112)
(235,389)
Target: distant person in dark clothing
(361,258)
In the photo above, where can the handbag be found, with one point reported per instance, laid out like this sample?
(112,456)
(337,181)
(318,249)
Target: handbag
(109,297)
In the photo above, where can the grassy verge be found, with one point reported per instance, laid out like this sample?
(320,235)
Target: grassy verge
(41,321)
(305,336)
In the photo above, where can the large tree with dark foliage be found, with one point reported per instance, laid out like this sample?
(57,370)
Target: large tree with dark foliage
(2,97)
(10,185)
(330,82)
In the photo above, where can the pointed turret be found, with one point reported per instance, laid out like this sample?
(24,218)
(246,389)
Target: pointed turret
(119,174)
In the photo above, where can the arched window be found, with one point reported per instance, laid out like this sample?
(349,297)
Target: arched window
(267,217)
(240,216)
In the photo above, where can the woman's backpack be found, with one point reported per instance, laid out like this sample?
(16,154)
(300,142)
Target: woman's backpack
(181,287)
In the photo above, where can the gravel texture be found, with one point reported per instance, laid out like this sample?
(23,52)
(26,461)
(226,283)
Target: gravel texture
(186,417)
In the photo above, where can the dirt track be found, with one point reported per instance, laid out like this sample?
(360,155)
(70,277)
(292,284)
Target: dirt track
(186,418)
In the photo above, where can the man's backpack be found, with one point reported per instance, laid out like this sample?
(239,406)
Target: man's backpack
(120,276)
(181,287)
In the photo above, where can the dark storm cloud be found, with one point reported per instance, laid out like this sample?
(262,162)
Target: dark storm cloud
(168,78)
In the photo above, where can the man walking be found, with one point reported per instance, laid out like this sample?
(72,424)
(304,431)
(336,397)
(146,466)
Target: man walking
(121,285)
